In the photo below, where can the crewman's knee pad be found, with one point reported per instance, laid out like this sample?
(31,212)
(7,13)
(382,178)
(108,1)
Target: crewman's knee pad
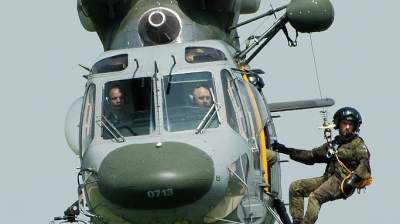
(294,187)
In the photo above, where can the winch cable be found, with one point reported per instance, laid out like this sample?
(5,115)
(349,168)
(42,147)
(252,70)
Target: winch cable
(316,70)
(324,113)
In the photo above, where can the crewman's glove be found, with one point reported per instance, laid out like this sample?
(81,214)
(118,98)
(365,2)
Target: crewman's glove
(348,185)
(276,146)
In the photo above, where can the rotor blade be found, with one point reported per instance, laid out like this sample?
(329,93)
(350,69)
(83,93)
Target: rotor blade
(300,104)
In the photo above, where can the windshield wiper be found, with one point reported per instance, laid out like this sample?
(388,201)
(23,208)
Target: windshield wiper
(104,122)
(216,105)
(170,75)
(207,119)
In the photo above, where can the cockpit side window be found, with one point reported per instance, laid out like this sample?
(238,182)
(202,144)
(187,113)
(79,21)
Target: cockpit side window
(128,106)
(187,99)
(112,64)
(259,104)
(251,107)
(203,54)
(234,108)
(87,118)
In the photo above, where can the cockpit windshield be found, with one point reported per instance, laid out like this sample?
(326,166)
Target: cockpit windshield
(189,99)
(128,107)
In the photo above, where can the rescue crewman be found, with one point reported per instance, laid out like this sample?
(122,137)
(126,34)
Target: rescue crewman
(347,158)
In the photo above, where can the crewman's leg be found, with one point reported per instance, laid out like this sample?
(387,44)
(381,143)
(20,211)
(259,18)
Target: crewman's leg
(328,191)
(271,157)
(298,190)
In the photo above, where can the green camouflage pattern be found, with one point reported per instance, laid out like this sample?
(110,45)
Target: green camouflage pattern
(318,192)
(354,155)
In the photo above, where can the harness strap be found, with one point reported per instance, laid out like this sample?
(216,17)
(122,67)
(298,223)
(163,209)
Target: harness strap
(329,169)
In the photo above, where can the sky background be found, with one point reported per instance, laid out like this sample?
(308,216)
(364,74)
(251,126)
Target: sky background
(42,43)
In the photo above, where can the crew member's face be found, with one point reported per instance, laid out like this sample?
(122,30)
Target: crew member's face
(117,99)
(346,127)
(202,97)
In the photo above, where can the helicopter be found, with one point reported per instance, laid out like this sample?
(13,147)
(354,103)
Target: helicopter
(148,151)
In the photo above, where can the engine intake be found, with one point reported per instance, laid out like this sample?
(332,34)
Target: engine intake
(159,26)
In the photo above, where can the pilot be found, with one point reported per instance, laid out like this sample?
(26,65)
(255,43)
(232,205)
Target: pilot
(347,168)
(202,96)
(117,101)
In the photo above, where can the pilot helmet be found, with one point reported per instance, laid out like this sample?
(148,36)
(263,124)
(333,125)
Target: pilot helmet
(348,113)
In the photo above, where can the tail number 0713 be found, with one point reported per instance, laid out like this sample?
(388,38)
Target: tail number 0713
(160,193)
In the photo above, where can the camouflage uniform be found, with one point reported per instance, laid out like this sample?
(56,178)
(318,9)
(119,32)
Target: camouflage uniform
(354,155)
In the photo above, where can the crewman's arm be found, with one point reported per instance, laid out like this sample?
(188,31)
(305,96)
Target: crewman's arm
(363,170)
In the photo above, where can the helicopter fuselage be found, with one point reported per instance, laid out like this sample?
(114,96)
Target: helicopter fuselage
(172,160)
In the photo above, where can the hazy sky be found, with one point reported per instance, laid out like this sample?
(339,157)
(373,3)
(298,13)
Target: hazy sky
(358,64)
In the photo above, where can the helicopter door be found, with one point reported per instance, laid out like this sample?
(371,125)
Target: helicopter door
(87,119)
(256,114)
(250,112)
(254,110)
(234,109)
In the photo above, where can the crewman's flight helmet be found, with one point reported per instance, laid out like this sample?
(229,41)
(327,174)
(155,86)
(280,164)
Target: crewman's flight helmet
(348,113)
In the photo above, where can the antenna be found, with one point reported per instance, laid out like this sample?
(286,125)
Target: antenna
(84,67)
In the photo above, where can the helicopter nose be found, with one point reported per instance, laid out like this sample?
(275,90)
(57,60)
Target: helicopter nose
(148,178)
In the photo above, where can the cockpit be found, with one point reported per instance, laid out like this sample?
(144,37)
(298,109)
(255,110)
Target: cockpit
(175,100)
(188,102)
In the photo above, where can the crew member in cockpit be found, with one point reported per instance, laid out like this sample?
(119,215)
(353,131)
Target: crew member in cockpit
(118,116)
(117,100)
(202,96)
